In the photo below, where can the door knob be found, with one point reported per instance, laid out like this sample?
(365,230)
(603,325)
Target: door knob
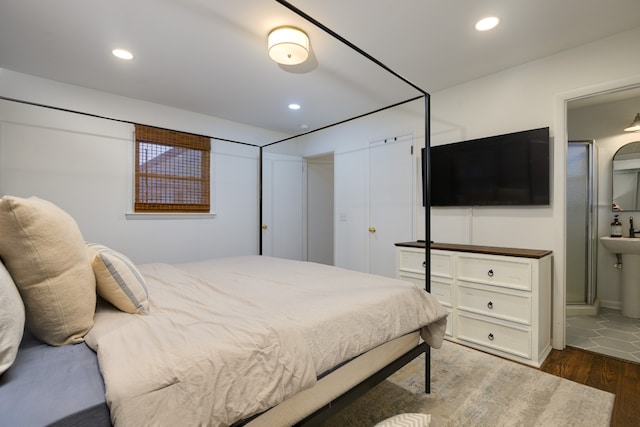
(264,226)
(372,229)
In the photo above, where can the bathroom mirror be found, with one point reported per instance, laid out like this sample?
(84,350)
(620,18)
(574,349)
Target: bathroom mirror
(626,178)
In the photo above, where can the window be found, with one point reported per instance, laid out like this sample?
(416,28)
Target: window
(171,171)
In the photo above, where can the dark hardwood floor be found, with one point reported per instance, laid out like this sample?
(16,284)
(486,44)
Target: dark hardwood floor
(606,373)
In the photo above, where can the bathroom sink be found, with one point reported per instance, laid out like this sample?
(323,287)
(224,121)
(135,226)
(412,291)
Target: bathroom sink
(622,245)
(627,251)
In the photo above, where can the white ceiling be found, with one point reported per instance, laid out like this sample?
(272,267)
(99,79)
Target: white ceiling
(210,56)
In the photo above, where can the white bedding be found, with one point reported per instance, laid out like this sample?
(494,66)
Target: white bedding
(232,337)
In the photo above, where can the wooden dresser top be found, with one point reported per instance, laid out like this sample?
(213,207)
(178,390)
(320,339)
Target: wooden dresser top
(491,250)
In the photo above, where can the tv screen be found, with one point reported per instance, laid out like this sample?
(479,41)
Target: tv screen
(503,170)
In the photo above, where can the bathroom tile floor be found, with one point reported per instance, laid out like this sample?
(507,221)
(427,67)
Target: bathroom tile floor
(608,333)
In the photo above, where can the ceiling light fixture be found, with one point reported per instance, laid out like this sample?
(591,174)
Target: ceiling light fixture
(294,106)
(122,54)
(288,45)
(635,125)
(488,23)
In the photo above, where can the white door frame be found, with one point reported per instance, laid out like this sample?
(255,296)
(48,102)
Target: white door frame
(560,136)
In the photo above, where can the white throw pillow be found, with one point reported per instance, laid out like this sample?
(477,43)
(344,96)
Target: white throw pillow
(11,320)
(118,280)
(43,250)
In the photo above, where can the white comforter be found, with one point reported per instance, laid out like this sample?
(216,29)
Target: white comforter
(231,337)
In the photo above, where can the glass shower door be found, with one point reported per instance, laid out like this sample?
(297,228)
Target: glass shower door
(581,223)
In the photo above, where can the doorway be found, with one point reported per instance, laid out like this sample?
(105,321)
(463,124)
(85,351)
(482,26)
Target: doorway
(600,119)
(320,209)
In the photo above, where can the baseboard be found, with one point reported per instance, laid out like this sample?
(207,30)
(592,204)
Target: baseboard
(583,309)
(614,305)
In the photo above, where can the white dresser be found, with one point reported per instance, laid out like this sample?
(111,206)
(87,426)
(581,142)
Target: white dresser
(499,299)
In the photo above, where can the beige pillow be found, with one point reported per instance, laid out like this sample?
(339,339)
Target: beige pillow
(43,250)
(11,320)
(118,280)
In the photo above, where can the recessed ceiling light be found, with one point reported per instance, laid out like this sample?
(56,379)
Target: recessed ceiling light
(487,23)
(294,106)
(122,54)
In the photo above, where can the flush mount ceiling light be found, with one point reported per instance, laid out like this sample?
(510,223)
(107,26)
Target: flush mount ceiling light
(122,54)
(488,23)
(635,125)
(288,45)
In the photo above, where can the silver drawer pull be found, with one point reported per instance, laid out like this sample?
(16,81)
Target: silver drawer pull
(490,337)
(424,264)
(490,273)
(490,305)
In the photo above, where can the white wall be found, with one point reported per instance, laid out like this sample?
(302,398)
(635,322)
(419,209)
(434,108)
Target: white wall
(51,93)
(84,165)
(604,123)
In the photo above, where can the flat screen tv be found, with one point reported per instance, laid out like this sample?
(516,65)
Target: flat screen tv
(502,170)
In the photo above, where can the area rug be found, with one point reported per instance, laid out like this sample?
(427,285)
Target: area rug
(472,388)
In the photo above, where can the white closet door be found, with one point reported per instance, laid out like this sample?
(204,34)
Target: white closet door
(391,201)
(282,213)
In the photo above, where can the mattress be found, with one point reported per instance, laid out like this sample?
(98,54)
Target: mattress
(53,386)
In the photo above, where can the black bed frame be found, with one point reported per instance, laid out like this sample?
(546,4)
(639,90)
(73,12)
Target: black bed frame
(354,393)
(329,410)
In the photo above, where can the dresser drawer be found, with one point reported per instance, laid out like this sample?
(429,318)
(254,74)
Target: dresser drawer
(497,302)
(414,261)
(495,270)
(441,264)
(477,330)
(440,289)
(450,319)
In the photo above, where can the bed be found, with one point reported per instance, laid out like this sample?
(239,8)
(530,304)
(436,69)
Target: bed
(250,340)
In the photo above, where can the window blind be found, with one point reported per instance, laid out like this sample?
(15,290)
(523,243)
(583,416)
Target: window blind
(172,171)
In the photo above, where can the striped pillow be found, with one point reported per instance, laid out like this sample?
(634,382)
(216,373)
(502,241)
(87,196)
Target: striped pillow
(118,280)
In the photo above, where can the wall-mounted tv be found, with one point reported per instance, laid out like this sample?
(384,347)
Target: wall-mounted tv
(503,170)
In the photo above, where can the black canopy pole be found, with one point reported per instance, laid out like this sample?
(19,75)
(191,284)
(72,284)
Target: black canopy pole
(427,153)
(260,225)
(427,227)
(348,43)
